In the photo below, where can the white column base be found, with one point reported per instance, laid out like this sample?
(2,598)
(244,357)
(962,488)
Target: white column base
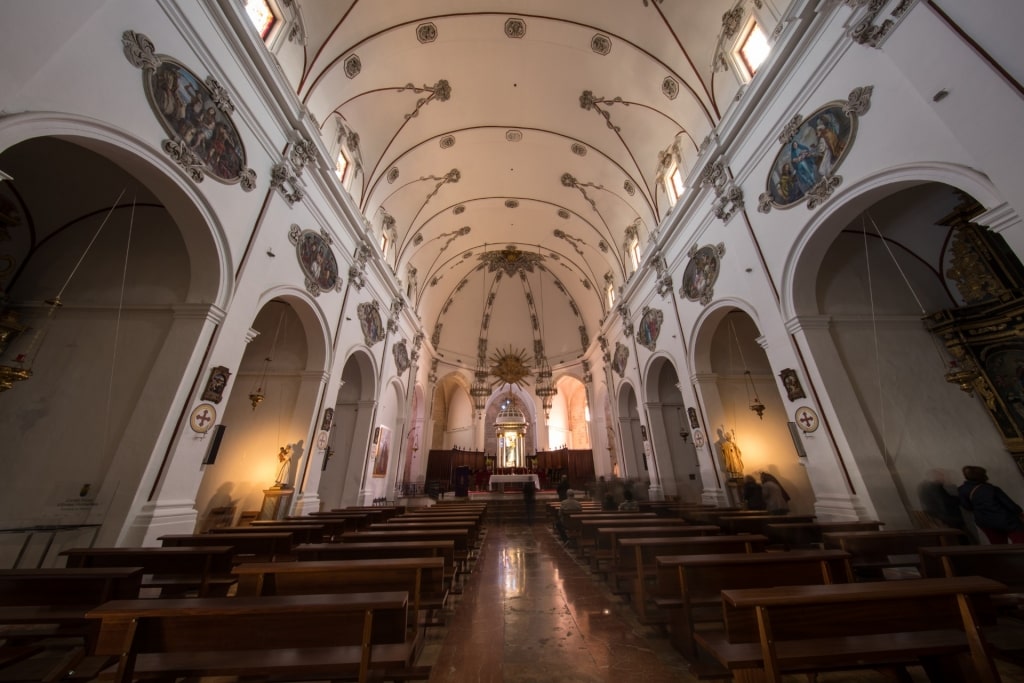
(305,503)
(833,508)
(655,492)
(158,519)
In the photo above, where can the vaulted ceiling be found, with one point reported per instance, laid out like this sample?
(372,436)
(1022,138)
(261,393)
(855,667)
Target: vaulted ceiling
(512,145)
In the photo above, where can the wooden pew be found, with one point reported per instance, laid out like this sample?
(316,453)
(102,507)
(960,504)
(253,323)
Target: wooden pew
(689,587)
(421,577)
(787,629)
(371,551)
(202,570)
(606,543)
(400,523)
(256,546)
(459,538)
(37,605)
(874,552)
(285,636)
(757,524)
(587,540)
(360,519)
(791,535)
(574,523)
(637,565)
(312,532)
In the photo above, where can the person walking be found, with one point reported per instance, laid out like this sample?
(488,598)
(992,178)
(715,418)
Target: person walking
(995,513)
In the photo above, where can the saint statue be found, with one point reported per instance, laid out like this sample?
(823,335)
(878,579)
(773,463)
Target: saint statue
(731,454)
(284,456)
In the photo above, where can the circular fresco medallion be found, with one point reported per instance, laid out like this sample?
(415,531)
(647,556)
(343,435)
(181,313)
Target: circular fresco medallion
(698,438)
(700,274)
(806,419)
(202,418)
(317,261)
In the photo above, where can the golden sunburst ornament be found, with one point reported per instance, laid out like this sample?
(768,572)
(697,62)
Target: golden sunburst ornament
(510,366)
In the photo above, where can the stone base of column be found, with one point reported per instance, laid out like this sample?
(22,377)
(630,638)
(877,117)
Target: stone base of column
(716,497)
(305,503)
(832,508)
(158,519)
(655,492)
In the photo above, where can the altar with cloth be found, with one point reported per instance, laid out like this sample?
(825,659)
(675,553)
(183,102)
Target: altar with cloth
(512,479)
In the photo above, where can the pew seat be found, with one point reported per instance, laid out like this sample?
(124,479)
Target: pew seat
(294,637)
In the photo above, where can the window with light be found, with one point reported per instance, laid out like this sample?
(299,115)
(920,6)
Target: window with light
(609,293)
(341,167)
(754,49)
(261,16)
(633,250)
(674,187)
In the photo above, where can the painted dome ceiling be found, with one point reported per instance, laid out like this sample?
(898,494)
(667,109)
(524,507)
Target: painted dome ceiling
(511,147)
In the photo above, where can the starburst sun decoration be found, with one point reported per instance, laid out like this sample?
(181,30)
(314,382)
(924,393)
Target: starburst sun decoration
(510,366)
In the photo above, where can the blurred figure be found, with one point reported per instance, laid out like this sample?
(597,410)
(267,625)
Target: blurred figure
(563,488)
(529,500)
(939,501)
(628,504)
(776,500)
(566,508)
(998,517)
(753,495)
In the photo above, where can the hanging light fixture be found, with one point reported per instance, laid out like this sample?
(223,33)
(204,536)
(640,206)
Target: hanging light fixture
(546,389)
(257,395)
(753,401)
(18,350)
(480,389)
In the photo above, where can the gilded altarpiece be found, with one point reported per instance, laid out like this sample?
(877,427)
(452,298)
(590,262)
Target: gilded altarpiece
(985,336)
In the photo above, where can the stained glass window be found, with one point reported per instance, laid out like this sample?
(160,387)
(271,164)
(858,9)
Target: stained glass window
(261,16)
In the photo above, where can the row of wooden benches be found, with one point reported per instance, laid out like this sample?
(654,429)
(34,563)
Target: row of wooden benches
(332,618)
(755,614)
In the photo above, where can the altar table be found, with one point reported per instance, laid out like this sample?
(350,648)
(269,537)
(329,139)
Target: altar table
(513,479)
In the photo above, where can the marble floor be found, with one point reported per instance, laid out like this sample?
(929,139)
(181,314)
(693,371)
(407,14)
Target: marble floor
(531,612)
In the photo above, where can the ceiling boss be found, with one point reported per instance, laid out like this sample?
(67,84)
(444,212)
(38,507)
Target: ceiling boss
(510,366)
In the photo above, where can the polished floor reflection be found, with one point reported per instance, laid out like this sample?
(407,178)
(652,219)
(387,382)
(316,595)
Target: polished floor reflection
(530,612)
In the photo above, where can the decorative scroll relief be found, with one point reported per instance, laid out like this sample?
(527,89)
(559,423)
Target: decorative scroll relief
(196,114)
(812,150)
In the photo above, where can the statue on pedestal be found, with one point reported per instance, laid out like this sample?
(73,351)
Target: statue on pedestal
(284,456)
(731,454)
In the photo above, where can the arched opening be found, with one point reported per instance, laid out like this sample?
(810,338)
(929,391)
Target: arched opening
(670,432)
(633,434)
(900,259)
(740,441)
(353,422)
(135,265)
(266,424)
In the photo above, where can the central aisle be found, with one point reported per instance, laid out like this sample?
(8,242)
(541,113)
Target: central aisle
(529,612)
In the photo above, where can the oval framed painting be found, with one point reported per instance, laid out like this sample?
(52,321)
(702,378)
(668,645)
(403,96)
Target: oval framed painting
(191,114)
(317,262)
(814,151)
(701,272)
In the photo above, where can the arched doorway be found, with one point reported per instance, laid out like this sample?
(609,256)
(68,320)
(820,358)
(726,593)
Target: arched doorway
(633,435)
(267,417)
(875,277)
(353,422)
(130,255)
(738,379)
(670,432)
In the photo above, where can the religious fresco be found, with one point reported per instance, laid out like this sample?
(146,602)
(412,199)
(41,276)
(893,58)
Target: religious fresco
(620,358)
(812,150)
(650,327)
(196,114)
(791,381)
(701,272)
(401,354)
(370,321)
(316,260)
(215,385)
(382,451)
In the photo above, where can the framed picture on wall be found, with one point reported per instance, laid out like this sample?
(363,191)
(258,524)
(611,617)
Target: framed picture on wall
(382,437)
